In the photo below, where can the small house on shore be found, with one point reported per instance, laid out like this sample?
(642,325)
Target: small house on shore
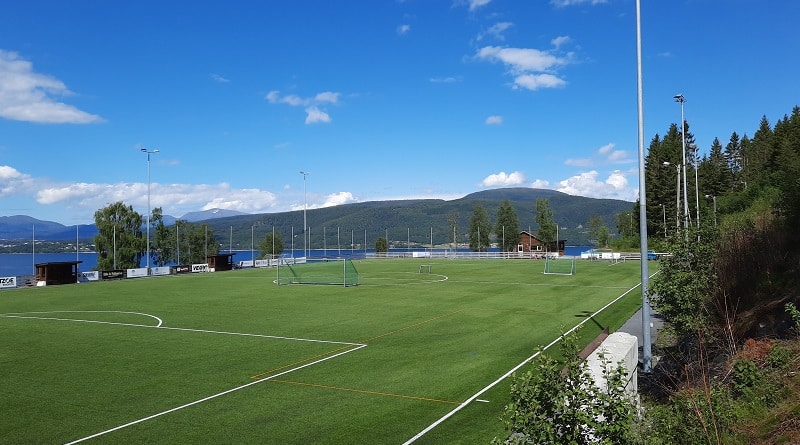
(530,243)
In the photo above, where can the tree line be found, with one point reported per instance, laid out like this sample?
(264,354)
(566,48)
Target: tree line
(728,292)
(121,241)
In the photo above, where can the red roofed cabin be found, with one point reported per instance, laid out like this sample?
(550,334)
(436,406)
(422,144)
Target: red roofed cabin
(529,243)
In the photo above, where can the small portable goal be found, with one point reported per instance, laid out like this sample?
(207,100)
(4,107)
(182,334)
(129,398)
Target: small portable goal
(559,265)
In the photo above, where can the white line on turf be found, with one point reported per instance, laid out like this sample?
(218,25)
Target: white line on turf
(475,396)
(205,399)
(26,315)
(159,326)
(355,347)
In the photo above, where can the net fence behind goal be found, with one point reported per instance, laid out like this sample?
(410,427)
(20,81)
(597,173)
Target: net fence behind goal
(331,271)
(559,266)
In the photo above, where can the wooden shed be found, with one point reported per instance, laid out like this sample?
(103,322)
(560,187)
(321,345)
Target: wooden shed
(530,243)
(62,272)
(221,261)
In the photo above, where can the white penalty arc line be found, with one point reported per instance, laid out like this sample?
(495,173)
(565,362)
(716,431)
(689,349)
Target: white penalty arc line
(205,399)
(513,370)
(26,315)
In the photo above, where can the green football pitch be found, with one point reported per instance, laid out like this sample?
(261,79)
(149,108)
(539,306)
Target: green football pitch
(412,354)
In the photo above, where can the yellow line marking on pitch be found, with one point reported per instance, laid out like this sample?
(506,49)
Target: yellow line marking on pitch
(307,359)
(362,391)
(412,326)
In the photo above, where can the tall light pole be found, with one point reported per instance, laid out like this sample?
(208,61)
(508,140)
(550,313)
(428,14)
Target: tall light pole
(646,342)
(149,152)
(305,225)
(682,100)
(714,197)
(677,195)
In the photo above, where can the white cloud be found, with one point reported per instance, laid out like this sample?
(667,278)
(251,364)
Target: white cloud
(29,96)
(339,198)
(565,3)
(403,29)
(560,40)
(494,120)
(315,116)
(536,81)
(532,68)
(540,184)
(449,79)
(14,182)
(327,97)
(504,180)
(605,149)
(618,156)
(496,31)
(475,4)
(615,186)
(522,60)
(175,199)
(218,78)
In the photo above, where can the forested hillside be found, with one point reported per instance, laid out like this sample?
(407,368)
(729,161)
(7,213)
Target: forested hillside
(415,219)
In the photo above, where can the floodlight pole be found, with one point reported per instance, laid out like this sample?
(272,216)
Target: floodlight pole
(677,195)
(646,347)
(682,100)
(305,225)
(144,150)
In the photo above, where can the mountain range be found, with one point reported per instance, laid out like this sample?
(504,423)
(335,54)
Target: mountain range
(416,220)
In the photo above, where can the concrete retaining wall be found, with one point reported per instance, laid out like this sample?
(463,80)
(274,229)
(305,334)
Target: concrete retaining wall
(618,347)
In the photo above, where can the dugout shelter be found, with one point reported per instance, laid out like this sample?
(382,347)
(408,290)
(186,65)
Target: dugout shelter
(61,272)
(220,261)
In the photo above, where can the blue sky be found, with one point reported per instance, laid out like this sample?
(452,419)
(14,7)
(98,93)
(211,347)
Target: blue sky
(376,99)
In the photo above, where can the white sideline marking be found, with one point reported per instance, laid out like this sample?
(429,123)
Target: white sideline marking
(159,326)
(355,347)
(205,399)
(513,370)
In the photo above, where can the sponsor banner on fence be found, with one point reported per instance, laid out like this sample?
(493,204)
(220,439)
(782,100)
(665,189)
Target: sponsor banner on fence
(137,273)
(420,254)
(163,270)
(263,263)
(183,268)
(8,282)
(91,275)
(200,268)
(115,274)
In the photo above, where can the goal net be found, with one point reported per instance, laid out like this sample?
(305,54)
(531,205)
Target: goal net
(333,271)
(559,265)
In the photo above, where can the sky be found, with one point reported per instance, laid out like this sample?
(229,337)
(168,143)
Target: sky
(371,99)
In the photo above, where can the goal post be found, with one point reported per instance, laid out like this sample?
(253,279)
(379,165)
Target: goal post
(330,271)
(559,265)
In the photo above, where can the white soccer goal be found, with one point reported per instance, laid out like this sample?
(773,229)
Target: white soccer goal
(334,271)
(559,265)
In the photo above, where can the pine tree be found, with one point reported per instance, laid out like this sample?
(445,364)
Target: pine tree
(507,227)
(479,228)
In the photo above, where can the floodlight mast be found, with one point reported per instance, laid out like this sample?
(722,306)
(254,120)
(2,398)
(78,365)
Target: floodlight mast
(305,225)
(679,98)
(149,152)
(646,346)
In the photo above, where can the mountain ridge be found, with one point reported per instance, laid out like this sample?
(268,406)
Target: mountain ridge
(393,218)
